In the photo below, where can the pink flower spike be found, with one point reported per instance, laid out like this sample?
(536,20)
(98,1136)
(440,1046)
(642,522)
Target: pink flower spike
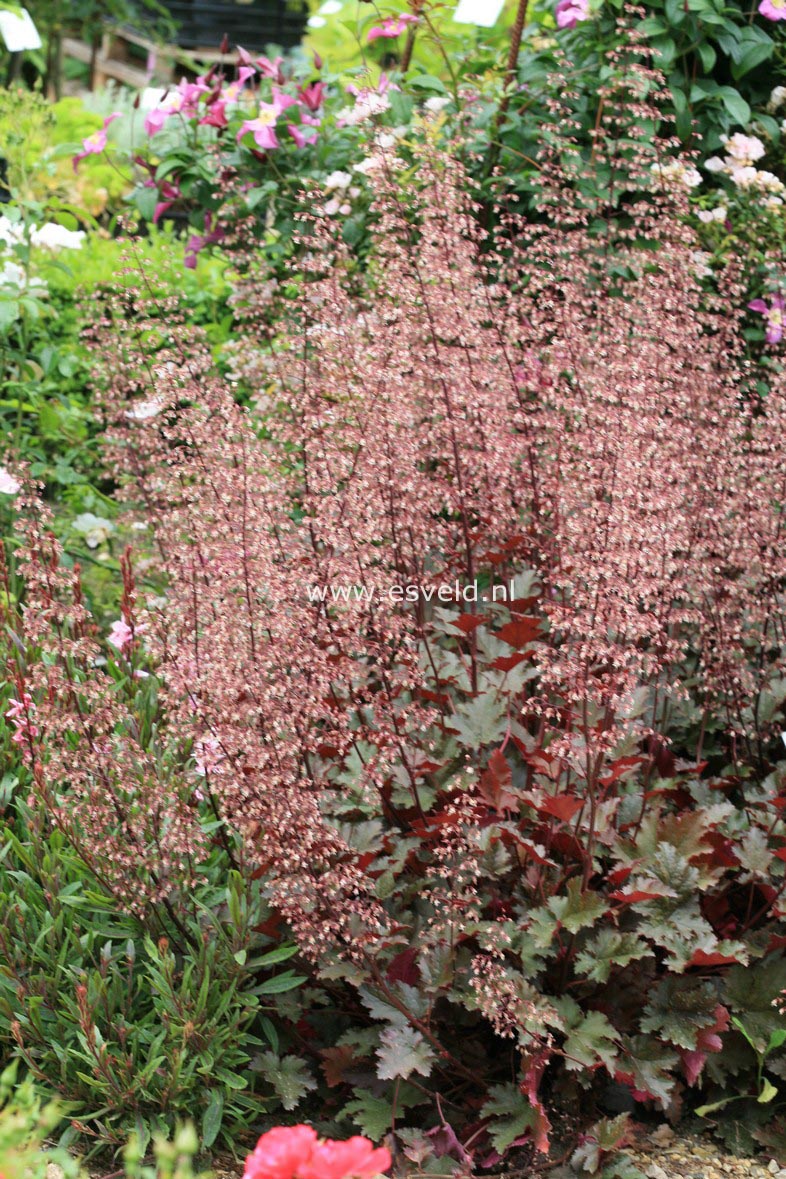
(773,9)
(392,26)
(569,12)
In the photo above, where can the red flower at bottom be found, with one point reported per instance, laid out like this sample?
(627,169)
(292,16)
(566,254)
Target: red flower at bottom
(280,1153)
(295,1152)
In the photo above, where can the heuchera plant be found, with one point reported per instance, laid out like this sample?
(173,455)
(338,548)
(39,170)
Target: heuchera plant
(532,839)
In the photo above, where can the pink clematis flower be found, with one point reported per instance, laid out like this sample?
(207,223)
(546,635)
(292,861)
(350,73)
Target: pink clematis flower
(774,317)
(232,92)
(271,69)
(305,131)
(263,127)
(312,95)
(169,193)
(198,242)
(392,26)
(216,115)
(773,9)
(569,12)
(94,144)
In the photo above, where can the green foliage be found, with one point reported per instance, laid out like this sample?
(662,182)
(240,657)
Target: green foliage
(133,1031)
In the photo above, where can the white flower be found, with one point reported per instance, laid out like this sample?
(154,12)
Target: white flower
(715,164)
(145,409)
(8,484)
(744,177)
(11,232)
(367,104)
(773,203)
(385,139)
(436,103)
(743,150)
(13,275)
(57,237)
(370,164)
(338,180)
(777,98)
(678,173)
(95,529)
(720,213)
(769,182)
(700,261)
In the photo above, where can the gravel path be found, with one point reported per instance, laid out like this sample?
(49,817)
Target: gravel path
(664,1155)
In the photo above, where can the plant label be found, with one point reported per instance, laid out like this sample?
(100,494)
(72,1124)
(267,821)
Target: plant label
(484,13)
(18,31)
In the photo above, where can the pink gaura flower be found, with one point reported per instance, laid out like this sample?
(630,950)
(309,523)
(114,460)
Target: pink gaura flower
(20,715)
(773,9)
(773,315)
(295,1152)
(8,484)
(123,633)
(569,12)
(94,144)
(392,26)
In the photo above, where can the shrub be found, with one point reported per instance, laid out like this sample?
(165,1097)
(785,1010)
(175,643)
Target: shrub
(538,839)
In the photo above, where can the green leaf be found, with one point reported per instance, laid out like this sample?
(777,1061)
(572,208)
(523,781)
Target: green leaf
(768,1091)
(510,1113)
(403,1051)
(212,1117)
(373,1115)
(578,909)
(607,949)
(289,1076)
(591,1040)
(280,984)
(735,104)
